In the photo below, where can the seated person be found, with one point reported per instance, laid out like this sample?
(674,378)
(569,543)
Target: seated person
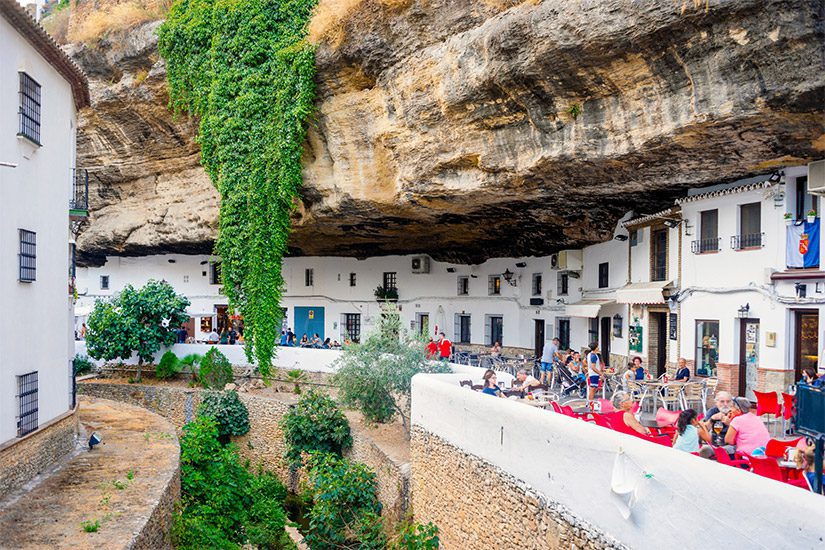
(628,376)
(747,432)
(491,384)
(524,381)
(624,401)
(720,415)
(639,370)
(212,337)
(304,341)
(809,376)
(682,372)
(336,344)
(495,351)
(576,366)
(690,434)
(326,344)
(805,461)
(316,341)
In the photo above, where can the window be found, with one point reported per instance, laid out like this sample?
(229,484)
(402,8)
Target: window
(26,403)
(104,282)
(493,285)
(750,226)
(463,332)
(493,329)
(29,108)
(707,347)
(215,273)
(564,333)
(563,283)
(536,284)
(28,256)
(352,326)
(463,286)
(617,326)
(634,237)
(352,279)
(708,232)
(658,255)
(593,330)
(604,275)
(309,275)
(186,278)
(390,280)
(804,201)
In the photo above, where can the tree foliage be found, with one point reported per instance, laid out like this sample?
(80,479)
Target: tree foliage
(376,376)
(315,423)
(135,321)
(228,411)
(215,370)
(244,68)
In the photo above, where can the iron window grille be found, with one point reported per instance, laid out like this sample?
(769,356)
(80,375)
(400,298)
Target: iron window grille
(563,284)
(80,190)
(26,403)
(390,280)
(352,279)
(352,326)
(28,256)
(604,275)
(104,282)
(702,246)
(309,277)
(215,273)
(537,284)
(29,108)
(752,240)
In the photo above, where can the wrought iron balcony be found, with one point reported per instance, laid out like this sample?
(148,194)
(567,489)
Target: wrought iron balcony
(79,201)
(704,246)
(750,240)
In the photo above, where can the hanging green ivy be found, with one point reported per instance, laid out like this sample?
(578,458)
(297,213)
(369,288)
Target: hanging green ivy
(245,69)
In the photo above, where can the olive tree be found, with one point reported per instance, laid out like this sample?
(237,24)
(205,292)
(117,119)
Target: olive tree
(375,376)
(135,321)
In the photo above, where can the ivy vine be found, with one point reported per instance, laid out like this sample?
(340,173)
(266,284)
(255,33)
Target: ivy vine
(245,69)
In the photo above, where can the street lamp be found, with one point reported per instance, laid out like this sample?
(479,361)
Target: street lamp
(508,276)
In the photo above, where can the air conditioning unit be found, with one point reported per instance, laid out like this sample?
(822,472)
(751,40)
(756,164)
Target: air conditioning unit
(420,264)
(816,177)
(570,260)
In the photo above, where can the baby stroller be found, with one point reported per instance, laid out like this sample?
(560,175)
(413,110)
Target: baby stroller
(571,384)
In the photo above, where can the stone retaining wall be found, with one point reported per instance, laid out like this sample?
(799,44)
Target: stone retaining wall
(156,533)
(23,459)
(451,487)
(264,444)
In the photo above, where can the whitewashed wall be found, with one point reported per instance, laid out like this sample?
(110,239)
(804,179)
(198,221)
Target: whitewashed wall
(36,316)
(687,502)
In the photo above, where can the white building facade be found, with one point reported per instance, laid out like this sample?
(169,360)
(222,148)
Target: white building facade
(40,93)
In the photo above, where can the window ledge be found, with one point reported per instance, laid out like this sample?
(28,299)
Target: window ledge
(30,141)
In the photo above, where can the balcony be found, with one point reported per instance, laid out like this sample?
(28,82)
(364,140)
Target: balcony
(706,246)
(79,201)
(747,241)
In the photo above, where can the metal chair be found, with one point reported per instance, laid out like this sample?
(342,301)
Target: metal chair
(692,392)
(710,385)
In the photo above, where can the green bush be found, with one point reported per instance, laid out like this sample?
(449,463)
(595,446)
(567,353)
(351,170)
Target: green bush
(414,536)
(315,423)
(345,510)
(168,366)
(215,370)
(228,411)
(81,364)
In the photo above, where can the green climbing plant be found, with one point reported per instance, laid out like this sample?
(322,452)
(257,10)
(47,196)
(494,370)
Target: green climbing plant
(246,71)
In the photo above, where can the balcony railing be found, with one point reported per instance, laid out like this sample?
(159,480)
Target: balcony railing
(703,246)
(750,240)
(79,201)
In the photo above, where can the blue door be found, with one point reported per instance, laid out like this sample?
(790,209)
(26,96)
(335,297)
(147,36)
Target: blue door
(309,320)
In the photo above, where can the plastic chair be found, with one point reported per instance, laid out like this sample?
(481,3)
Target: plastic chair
(723,458)
(776,447)
(666,417)
(607,406)
(787,411)
(768,403)
(556,407)
(769,467)
(601,420)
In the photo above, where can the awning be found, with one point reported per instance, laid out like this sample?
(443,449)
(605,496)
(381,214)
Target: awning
(643,293)
(586,308)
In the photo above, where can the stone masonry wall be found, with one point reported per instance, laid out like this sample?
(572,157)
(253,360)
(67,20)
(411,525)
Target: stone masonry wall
(478,506)
(264,444)
(23,459)
(155,534)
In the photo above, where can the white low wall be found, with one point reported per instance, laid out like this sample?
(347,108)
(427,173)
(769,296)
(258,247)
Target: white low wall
(687,502)
(308,359)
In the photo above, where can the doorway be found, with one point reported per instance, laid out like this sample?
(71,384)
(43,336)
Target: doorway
(748,357)
(806,341)
(423,324)
(496,330)
(538,336)
(657,342)
(564,333)
(222,313)
(605,340)
(309,321)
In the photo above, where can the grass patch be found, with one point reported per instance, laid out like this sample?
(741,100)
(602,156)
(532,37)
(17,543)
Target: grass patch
(118,17)
(90,526)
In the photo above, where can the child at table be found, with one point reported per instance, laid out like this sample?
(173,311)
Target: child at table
(805,460)
(689,434)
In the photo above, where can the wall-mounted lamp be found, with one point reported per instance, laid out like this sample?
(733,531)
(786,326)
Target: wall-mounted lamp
(673,223)
(204,262)
(801,290)
(573,274)
(170,260)
(744,311)
(508,276)
(620,237)
(474,276)
(775,177)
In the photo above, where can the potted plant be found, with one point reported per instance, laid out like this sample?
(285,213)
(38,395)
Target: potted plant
(788,218)
(811,216)
(386,294)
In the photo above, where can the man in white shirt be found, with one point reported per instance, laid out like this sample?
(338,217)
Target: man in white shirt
(524,381)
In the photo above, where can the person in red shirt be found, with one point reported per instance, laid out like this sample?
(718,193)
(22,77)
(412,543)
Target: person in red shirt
(445,347)
(432,348)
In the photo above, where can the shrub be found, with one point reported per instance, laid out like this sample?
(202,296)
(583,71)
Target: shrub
(315,423)
(81,364)
(215,370)
(414,536)
(345,510)
(228,411)
(168,366)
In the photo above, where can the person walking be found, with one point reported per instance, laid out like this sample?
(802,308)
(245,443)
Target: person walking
(549,354)
(445,347)
(594,370)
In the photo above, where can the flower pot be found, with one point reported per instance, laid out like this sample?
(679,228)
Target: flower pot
(788,221)
(811,219)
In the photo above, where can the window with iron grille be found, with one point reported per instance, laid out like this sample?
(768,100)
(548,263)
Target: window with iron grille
(593,330)
(29,108)
(463,286)
(215,273)
(604,275)
(28,256)
(26,403)
(352,326)
(104,282)
(536,284)
(309,277)
(352,279)
(658,255)
(563,283)
(494,285)
(390,280)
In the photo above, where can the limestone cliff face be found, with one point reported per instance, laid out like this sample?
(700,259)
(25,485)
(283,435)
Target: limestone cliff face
(448,126)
